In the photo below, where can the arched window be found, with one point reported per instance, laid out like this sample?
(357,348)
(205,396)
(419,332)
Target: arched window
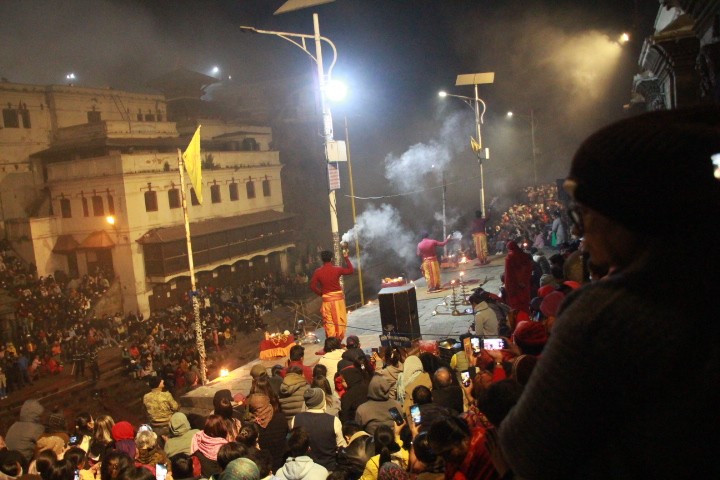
(215,193)
(250,187)
(266,187)
(174,198)
(151,204)
(65,209)
(234,194)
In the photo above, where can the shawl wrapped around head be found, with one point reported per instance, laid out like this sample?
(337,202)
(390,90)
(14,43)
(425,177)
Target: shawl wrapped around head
(412,368)
(262,409)
(207,445)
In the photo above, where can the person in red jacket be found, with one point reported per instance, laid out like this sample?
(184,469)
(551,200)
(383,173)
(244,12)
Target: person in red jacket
(325,282)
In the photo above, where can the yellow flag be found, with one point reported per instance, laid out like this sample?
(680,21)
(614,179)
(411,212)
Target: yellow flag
(474,145)
(192,161)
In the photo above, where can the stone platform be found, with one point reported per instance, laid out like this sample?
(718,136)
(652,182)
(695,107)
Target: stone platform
(439,318)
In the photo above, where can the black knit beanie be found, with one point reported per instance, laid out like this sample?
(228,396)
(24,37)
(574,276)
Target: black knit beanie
(652,173)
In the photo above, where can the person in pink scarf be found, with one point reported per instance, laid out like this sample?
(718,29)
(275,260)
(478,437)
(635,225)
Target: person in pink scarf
(206,443)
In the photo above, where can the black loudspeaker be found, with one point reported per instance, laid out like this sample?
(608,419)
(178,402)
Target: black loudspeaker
(399,311)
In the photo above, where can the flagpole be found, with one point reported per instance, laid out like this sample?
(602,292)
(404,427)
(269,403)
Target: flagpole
(194,293)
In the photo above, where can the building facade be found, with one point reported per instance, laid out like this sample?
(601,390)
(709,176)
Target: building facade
(90,182)
(680,62)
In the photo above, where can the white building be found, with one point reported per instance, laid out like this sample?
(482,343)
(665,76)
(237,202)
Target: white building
(72,156)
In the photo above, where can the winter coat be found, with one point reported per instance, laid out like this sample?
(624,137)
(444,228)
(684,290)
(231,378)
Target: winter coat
(330,361)
(375,411)
(181,435)
(391,372)
(23,434)
(291,394)
(301,468)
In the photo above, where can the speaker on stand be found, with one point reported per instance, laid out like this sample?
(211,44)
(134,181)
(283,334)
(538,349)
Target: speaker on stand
(399,312)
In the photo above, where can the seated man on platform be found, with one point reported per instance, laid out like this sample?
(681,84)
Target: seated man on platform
(297,355)
(160,406)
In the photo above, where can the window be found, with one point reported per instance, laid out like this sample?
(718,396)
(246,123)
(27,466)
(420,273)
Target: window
(149,117)
(25,114)
(193,197)
(151,204)
(86,210)
(10,118)
(111,204)
(266,187)
(160,117)
(215,193)
(97,203)
(234,194)
(139,117)
(93,117)
(65,209)
(250,187)
(174,198)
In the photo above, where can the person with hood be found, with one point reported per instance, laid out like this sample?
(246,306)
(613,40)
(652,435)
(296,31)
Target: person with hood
(123,434)
(292,391)
(206,443)
(23,434)
(412,376)
(375,411)
(272,427)
(392,367)
(181,435)
(356,392)
(299,466)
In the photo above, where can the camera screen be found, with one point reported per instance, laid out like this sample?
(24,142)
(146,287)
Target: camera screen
(493,344)
(415,413)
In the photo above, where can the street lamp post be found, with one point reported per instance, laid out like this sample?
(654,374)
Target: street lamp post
(299,40)
(352,203)
(531,117)
(474,104)
(476,79)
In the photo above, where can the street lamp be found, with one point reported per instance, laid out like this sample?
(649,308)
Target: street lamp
(476,79)
(474,104)
(531,118)
(299,40)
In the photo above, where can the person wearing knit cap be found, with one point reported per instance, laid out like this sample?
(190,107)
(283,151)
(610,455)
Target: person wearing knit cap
(530,337)
(241,469)
(325,430)
(123,434)
(645,193)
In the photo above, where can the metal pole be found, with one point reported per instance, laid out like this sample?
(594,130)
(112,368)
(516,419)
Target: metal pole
(327,137)
(480,151)
(532,134)
(199,338)
(444,190)
(352,203)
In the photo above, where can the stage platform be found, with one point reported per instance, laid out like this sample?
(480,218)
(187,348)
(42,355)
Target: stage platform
(439,319)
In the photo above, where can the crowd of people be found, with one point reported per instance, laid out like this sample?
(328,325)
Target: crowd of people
(596,378)
(53,327)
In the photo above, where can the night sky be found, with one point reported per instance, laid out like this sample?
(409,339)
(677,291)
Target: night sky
(559,58)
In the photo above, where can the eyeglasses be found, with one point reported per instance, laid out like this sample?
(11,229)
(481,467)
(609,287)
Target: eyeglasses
(575,214)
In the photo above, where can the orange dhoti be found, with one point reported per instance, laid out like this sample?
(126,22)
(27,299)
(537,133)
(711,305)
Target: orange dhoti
(431,272)
(334,314)
(481,247)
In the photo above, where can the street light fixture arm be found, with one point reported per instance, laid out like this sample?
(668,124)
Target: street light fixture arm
(290,37)
(470,102)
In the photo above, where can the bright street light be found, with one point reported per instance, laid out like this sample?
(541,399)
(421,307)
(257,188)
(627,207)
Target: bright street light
(300,40)
(624,38)
(336,90)
(110,219)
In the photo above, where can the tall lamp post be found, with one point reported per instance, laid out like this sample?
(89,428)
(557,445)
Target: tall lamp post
(299,40)
(476,79)
(531,118)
